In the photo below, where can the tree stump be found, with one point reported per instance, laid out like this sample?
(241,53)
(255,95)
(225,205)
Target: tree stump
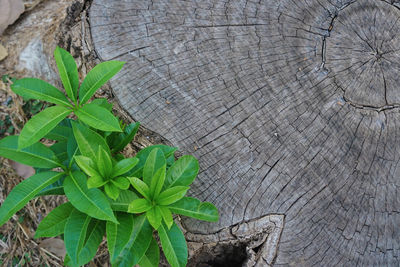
(291,106)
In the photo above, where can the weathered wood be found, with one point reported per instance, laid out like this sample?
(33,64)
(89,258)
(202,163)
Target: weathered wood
(292,107)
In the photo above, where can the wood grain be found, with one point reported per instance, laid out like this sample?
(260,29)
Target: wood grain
(291,106)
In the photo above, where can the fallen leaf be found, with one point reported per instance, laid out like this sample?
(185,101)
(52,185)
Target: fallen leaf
(21,169)
(55,246)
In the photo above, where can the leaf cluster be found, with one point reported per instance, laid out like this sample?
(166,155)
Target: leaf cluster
(127,199)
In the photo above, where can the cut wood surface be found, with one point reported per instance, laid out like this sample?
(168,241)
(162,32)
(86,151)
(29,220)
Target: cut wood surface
(291,106)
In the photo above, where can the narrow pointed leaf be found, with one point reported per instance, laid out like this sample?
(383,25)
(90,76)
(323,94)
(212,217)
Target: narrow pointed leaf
(98,117)
(182,172)
(95,181)
(98,76)
(128,241)
(103,162)
(140,186)
(40,124)
(111,190)
(123,166)
(154,162)
(38,89)
(88,140)
(154,216)
(94,236)
(174,245)
(121,182)
(122,202)
(152,256)
(90,201)
(60,150)
(167,216)
(192,207)
(157,182)
(126,136)
(36,155)
(118,235)
(172,195)
(53,224)
(72,148)
(75,233)
(25,191)
(102,102)
(59,133)
(143,154)
(87,165)
(68,72)
(55,188)
(139,205)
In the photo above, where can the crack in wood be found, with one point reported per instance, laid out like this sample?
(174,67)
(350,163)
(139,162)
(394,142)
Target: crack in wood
(259,236)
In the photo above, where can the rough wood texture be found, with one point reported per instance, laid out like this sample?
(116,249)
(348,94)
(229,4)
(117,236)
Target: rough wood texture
(292,107)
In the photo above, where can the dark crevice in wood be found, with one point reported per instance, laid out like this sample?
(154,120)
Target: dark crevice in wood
(367,107)
(129,52)
(230,25)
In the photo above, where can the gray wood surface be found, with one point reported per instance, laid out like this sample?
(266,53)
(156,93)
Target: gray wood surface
(291,106)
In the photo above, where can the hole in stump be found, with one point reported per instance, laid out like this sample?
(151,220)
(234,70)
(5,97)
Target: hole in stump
(222,255)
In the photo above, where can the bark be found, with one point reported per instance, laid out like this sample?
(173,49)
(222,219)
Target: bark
(291,106)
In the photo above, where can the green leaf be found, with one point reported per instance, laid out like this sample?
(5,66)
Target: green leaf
(55,188)
(125,137)
(95,182)
(98,118)
(75,233)
(60,150)
(72,148)
(102,102)
(192,207)
(68,72)
(152,256)
(122,202)
(98,76)
(40,124)
(129,240)
(111,190)
(38,89)
(94,236)
(53,224)
(59,133)
(90,201)
(174,245)
(139,205)
(124,166)
(103,162)
(87,165)
(36,155)
(172,195)
(157,182)
(140,186)
(25,191)
(154,162)
(88,140)
(154,216)
(167,216)
(182,172)
(143,154)
(121,182)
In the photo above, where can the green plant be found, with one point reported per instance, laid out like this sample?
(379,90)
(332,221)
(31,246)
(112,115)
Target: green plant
(126,198)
